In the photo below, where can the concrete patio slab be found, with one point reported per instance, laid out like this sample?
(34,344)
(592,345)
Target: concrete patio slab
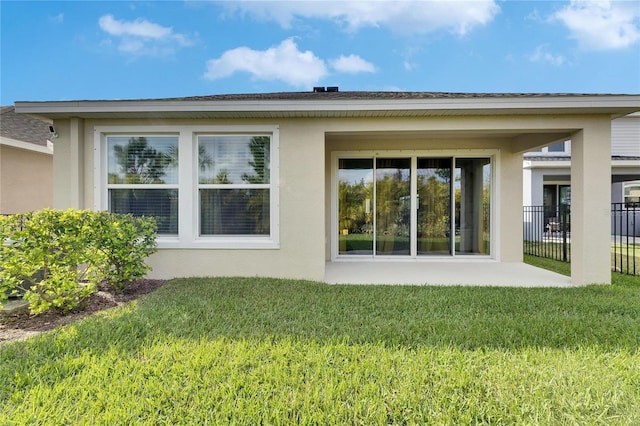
(475,273)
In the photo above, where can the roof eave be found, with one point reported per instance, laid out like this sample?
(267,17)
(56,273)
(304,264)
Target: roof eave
(616,105)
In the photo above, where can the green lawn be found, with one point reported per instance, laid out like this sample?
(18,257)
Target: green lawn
(265,351)
(624,257)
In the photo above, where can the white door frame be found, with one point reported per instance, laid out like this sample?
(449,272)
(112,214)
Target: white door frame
(492,154)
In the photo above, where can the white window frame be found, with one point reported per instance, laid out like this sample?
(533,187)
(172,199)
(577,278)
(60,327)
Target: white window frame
(494,211)
(137,186)
(188,199)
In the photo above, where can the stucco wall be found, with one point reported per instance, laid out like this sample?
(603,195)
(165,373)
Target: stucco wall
(305,147)
(301,209)
(26,180)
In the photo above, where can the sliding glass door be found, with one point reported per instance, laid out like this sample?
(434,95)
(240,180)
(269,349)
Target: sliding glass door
(472,213)
(355,198)
(413,206)
(434,206)
(393,206)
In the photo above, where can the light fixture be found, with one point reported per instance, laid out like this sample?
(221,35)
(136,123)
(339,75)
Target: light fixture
(53,133)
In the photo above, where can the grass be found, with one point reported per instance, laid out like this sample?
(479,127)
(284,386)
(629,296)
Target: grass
(558,266)
(266,351)
(624,257)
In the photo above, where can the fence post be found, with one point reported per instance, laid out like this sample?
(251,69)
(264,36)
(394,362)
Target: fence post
(563,226)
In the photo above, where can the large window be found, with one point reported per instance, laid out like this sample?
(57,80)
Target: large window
(206,186)
(143,179)
(413,206)
(234,184)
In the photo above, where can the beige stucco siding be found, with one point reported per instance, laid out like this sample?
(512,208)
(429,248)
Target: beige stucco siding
(305,169)
(590,209)
(301,209)
(25,180)
(301,252)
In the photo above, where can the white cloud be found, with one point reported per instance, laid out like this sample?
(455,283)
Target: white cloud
(542,54)
(457,16)
(283,62)
(58,19)
(143,37)
(602,24)
(351,64)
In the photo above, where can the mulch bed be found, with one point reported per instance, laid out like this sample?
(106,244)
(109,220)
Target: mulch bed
(17,327)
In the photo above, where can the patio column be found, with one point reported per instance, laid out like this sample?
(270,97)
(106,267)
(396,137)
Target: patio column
(590,204)
(68,164)
(509,223)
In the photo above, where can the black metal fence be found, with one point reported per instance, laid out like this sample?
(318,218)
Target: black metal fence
(625,233)
(547,233)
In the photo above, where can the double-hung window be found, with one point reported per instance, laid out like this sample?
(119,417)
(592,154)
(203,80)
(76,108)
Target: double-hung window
(206,186)
(234,185)
(143,178)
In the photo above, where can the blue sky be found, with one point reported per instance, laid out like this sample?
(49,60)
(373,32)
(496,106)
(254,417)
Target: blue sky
(77,50)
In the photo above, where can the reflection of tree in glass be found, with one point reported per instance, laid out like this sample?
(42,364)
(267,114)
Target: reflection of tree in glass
(434,198)
(237,210)
(255,207)
(141,163)
(222,177)
(353,199)
(393,203)
(259,146)
(204,159)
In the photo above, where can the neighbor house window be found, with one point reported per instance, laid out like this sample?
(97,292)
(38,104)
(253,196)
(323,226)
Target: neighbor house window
(631,193)
(558,147)
(143,178)
(234,185)
(555,149)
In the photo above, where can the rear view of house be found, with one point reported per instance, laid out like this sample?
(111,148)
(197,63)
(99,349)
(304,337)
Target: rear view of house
(292,184)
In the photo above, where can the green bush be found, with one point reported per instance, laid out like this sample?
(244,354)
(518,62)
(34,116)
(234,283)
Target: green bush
(57,258)
(123,242)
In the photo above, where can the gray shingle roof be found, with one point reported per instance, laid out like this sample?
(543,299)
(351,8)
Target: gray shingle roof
(351,95)
(23,128)
(364,95)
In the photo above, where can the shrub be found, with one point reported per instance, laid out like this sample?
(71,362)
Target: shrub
(59,257)
(45,255)
(123,242)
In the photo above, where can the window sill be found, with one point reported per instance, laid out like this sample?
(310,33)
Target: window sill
(249,243)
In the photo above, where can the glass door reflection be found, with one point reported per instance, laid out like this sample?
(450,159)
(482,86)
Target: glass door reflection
(393,206)
(434,206)
(355,206)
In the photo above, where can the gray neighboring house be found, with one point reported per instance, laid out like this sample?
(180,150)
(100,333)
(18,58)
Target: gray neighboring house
(547,181)
(26,163)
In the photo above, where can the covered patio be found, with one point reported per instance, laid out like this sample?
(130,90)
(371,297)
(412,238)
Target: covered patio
(445,272)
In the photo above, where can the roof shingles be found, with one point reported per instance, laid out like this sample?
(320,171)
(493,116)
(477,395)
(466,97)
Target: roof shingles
(23,128)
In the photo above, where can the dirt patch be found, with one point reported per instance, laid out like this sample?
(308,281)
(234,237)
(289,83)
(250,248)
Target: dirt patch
(21,326)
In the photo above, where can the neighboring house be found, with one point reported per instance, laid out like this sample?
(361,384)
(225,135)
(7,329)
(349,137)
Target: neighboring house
(26,163)
(547,171)
(295,185)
